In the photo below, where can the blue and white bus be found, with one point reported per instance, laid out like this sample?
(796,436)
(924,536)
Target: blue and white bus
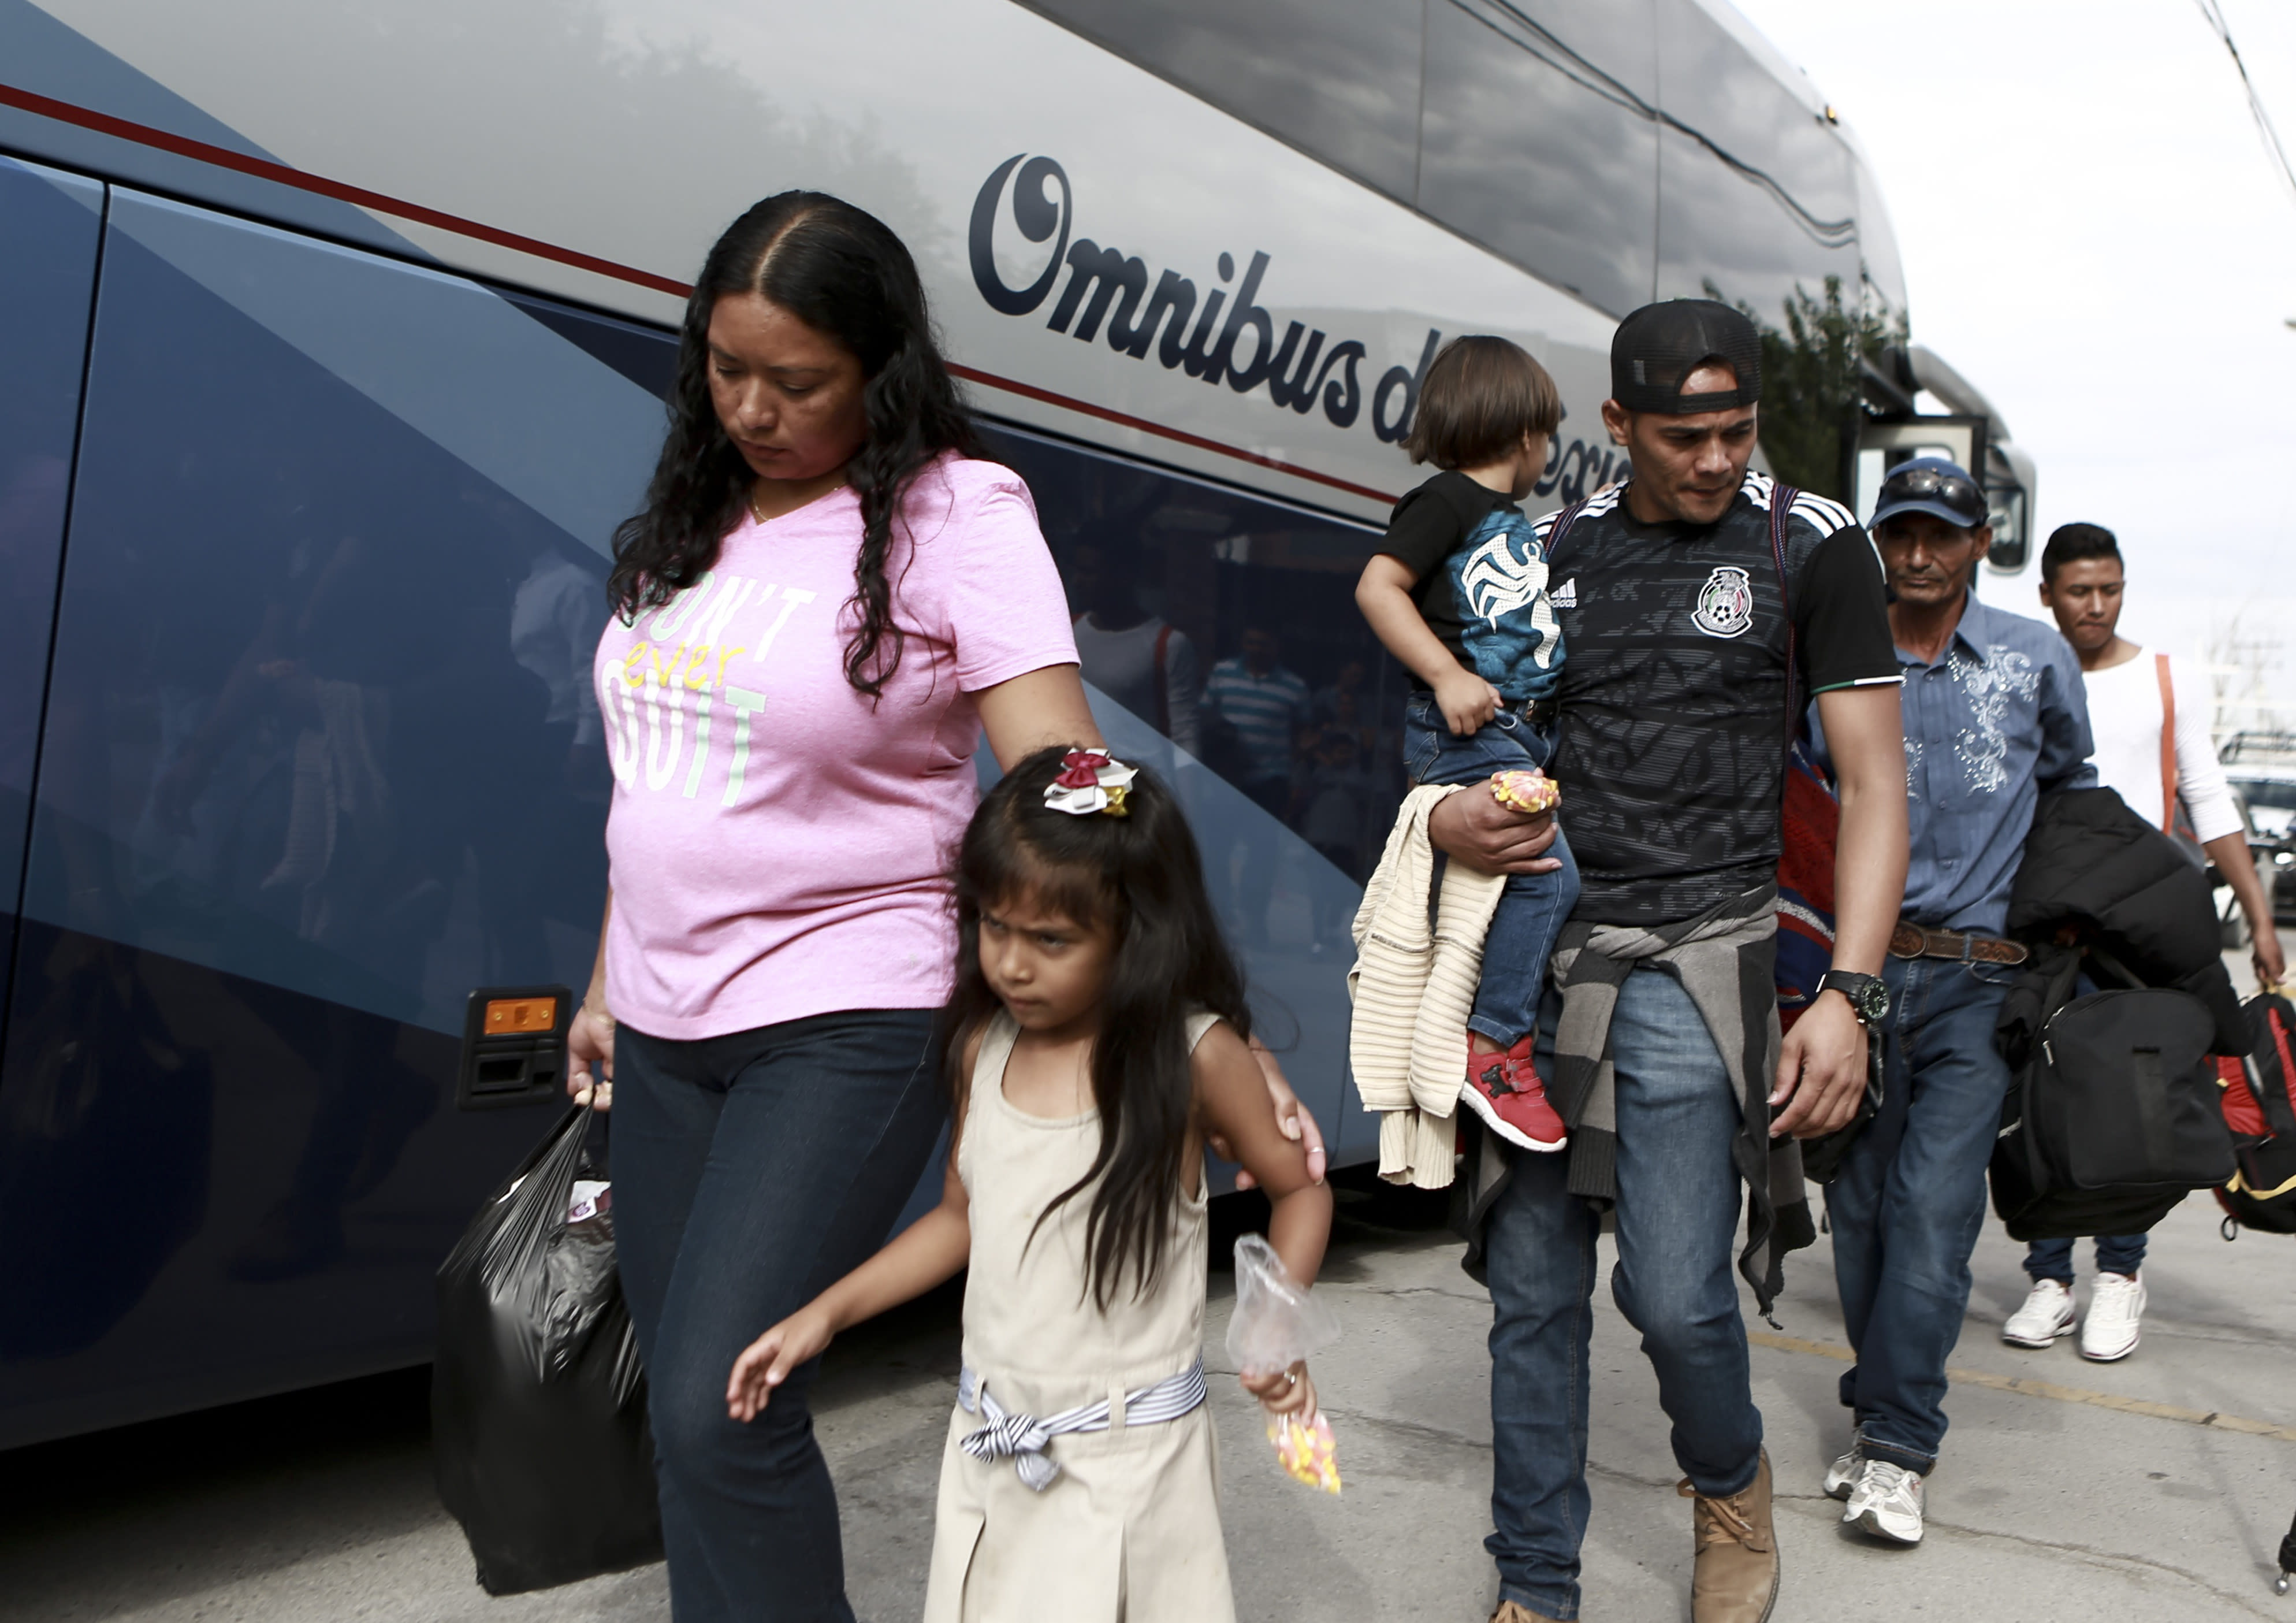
(332,344)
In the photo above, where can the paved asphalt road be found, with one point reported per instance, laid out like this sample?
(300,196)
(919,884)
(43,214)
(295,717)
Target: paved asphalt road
(2149,1491)
(2068,1490)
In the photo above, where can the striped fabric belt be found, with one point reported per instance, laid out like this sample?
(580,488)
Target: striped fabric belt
(1024,1439)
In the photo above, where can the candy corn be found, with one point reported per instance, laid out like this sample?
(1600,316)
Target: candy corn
(1307,1452)
(1525,791)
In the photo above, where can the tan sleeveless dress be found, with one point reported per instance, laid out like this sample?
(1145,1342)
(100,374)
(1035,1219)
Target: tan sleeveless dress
(1129,1531)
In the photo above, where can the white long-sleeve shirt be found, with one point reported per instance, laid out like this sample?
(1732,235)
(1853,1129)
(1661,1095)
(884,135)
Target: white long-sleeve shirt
(1161,686)
(2124,716)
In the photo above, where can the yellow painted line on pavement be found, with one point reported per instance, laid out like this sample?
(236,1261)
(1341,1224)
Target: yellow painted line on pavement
(2214,1419)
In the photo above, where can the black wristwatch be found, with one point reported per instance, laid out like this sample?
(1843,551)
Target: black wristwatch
(1867,994)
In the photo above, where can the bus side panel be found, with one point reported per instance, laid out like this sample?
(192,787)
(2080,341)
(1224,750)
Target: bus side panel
(321,758)
(50,226)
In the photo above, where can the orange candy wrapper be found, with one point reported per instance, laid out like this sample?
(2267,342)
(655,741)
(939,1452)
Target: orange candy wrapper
(1525,791)
(1307,1452)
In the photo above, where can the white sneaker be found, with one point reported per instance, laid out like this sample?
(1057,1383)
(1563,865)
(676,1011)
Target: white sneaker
(1886,1501)
(2046,1314)
(1843,1474)
(2115,1313)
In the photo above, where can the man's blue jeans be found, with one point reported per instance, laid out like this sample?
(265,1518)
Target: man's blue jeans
(1910,1199)
(1677,1223)
(1533,907)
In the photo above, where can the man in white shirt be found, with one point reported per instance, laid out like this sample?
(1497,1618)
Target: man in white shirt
(1129,652)
(2150,715)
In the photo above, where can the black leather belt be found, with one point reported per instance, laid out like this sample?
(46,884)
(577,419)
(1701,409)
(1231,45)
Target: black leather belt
(1910,940)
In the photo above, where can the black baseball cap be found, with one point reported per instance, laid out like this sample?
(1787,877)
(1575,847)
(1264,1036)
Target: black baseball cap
(1660,344)
(1931,485)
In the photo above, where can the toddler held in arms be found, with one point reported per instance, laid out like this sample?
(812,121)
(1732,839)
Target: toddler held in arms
(1098,1038)
(1458,593)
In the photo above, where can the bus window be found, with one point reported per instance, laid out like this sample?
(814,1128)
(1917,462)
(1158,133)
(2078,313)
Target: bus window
(1540,141)
(1761,202)
(1221,644)
(1340,82)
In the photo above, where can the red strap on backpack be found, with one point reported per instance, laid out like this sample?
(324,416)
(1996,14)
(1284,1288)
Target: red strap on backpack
(1809,818)
(2167,746)
(1561,527)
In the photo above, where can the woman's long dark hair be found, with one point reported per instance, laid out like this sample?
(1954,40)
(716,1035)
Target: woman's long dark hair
(1139,873)
(841,272)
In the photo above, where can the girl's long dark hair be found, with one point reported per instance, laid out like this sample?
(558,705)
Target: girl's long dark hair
(841,272)
(1140,874)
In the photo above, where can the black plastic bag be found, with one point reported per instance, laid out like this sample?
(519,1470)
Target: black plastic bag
(538,1402)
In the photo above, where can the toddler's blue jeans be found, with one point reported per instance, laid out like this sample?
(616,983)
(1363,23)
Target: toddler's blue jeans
(1534,906)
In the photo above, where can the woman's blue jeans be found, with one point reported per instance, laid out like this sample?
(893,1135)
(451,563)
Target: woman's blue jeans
(1679,1199)
(750,1172)
(1533,907)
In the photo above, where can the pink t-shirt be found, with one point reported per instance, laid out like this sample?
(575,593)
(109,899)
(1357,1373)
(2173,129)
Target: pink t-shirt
(779,845)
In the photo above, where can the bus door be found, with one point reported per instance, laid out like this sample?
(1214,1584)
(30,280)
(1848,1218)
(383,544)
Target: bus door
(51,225)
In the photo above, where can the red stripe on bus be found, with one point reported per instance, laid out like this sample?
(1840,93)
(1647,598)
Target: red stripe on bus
(971,374)
(265,168)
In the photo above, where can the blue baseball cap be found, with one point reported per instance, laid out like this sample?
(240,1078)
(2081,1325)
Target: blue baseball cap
(1931,485)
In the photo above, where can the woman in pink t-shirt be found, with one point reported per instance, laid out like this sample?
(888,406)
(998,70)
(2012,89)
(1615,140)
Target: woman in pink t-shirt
(826,601)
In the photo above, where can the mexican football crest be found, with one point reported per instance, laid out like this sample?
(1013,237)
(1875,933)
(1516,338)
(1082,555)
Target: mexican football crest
(1726,603)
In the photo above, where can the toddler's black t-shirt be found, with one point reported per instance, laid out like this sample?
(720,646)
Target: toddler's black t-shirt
(1427,525)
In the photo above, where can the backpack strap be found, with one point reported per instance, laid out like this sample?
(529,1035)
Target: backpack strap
(1782,497)
(2167,746)
(1563,519)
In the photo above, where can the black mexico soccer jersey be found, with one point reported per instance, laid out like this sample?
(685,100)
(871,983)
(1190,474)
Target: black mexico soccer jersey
(1672,732)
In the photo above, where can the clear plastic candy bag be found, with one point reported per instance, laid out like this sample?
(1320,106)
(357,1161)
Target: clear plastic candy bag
(1278,1322)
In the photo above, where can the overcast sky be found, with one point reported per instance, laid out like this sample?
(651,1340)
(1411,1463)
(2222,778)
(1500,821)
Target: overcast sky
(2094,236)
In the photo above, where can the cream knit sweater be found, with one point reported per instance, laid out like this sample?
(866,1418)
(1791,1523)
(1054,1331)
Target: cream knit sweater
(1413,985)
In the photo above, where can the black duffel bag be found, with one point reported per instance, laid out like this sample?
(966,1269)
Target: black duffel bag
(537,1402)
(2112,1116)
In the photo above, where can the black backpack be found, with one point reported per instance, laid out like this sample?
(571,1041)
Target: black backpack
(2113,1113)
(2259,1108)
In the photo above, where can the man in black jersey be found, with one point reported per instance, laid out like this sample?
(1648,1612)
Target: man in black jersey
(1693,644)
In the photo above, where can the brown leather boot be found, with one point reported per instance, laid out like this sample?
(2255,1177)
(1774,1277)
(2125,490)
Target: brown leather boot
(1736,1578)
(1514,1612)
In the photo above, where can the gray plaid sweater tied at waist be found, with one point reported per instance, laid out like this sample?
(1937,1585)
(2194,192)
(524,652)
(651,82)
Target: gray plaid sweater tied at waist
(1725,959)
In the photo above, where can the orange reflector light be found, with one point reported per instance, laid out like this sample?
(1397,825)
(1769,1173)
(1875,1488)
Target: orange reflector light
(506,1015)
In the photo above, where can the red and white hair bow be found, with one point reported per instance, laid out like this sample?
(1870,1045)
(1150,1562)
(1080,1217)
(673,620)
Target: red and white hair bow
(1090,781)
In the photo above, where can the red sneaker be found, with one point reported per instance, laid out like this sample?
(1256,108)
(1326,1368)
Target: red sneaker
(1506,1092)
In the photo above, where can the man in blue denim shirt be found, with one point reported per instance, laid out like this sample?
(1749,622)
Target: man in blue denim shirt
(1995,716)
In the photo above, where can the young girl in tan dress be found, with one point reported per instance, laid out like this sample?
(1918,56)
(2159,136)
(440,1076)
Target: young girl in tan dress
(1099,1038)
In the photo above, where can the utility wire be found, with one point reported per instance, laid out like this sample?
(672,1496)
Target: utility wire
(2214,11)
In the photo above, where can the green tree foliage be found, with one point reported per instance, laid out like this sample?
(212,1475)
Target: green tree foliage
(1809,379)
